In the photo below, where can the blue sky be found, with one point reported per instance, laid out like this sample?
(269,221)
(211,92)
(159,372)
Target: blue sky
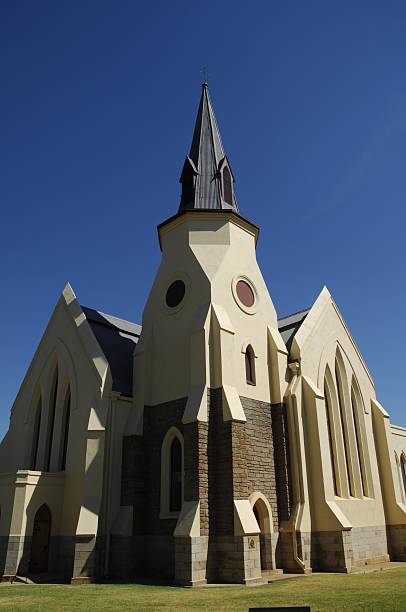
(97,110)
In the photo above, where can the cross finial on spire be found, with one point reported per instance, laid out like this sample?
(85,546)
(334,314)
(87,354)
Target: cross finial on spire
(204,73)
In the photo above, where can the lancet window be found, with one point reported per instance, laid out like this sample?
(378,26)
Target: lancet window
(250,365)
(51,420)
(175,486)
(65,429)
(403,470)
(357,412)
(344,427)
(35,435)
(172,473)
(331,437)
(227,186)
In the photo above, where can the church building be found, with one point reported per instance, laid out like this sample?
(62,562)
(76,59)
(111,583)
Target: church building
(214,442)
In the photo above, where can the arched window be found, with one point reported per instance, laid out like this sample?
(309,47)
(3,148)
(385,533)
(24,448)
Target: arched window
(175,486)
(343,419)
(403,470)
(35,435)
(51,420)
(227,186)
(356,413)
(172,474)
(400,477)
(331,439)
(65,430)
(250,365)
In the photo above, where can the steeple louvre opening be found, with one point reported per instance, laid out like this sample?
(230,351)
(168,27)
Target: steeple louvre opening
(227,187)
(207,181)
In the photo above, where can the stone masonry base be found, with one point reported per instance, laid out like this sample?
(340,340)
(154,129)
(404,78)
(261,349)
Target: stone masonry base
(397,542)
(342,551)
(193,561)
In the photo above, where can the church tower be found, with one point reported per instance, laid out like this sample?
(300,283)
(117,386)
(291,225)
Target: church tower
(204,458)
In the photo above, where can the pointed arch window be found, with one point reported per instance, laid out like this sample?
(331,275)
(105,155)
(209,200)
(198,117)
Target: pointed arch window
(175,487)
(356,413)
(250,365)
(35,435)
(227,186)
(399,472)
(331,439)
(344,429)
(51,420)
(172,474)
(403,470)
(65,429)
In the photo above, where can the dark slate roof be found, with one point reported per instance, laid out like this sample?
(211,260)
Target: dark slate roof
(289,325)
(117,339)
(200,178)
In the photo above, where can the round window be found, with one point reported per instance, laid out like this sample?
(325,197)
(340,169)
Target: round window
(175,293)
(245,293)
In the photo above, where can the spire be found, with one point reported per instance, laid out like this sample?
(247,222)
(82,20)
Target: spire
(207,179)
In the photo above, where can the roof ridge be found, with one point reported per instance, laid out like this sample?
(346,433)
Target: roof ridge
(293,314)
(107,322)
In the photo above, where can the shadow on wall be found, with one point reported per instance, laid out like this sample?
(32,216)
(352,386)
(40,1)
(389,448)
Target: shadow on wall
(36,550)
(6,502)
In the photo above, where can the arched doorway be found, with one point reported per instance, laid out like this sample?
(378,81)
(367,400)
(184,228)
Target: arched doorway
(261,511)
(263,516)
(40,540)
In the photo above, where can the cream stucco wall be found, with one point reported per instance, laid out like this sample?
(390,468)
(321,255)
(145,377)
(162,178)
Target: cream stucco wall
(74,495)
(322,339)
(201,343)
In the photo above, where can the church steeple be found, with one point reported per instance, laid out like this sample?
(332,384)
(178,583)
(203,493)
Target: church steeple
(207,179)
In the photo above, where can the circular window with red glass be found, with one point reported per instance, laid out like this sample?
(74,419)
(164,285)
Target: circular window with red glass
(244,294)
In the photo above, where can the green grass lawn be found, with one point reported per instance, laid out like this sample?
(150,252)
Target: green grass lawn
(369,592)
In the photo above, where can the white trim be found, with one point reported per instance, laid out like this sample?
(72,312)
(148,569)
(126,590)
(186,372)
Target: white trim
(268,521)
(251,310)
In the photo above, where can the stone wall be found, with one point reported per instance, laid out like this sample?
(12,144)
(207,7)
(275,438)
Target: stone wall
(341,551)
(397,542)
(282,461)
(220,475)
(223,461)
(258,453)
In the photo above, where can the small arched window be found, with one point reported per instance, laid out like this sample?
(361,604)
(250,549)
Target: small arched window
(175,486)
(35,435)
(250,365)
(65,429)
(227,186)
